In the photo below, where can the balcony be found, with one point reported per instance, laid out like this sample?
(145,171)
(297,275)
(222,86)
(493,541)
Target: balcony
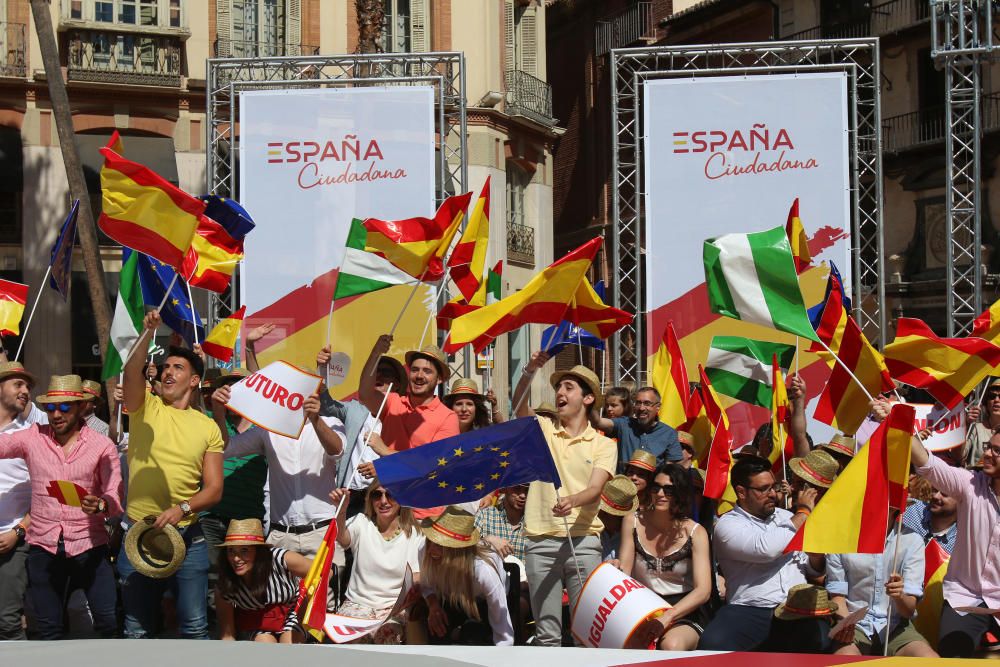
(111,57)
(12,55)
(883,19)
(229,48)
(520,244)
(635,24)
(927,126)
(529,96)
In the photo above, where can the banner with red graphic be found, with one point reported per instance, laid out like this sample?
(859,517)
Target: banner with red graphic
(310,162)
(616,611)
(730,155)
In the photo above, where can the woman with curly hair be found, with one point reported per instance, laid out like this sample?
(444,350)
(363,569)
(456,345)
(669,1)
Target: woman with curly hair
(474,410)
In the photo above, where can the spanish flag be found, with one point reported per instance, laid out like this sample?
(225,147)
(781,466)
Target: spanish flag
(221,340)
(713,406)
(487,292)
(927,620)
(797,238)
(589,312)
(668,375)
(13,297)
(418,245)
(987,325)
(314,589)
(143,211)
(719,462)
(853,515)
(544,300)
(67,493)
(212,257)
(781,441)
(468,259)
(948,368)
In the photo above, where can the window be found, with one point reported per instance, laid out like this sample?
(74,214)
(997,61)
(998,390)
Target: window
(515,194)
(520,235)
(104,12)
(404,27)
(127,13)
(258,27)
(175,13)
(148,11)
(10,217)
(76,9)
(520,37)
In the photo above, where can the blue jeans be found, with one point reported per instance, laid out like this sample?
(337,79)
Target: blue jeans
(740,628)
(52,576)
(141,595)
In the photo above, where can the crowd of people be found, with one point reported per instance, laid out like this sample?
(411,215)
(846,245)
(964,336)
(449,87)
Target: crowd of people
(193,522)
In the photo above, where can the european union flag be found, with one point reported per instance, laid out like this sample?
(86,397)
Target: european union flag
(61,260)
(834,282)
(228,213)
(467,467)
(178,312)
(555,338)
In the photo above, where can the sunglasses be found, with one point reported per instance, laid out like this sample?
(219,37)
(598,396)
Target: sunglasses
(62,407)
(667,489)
(378,494)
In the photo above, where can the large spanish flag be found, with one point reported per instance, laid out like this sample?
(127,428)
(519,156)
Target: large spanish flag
(589,312)
(544,300)
(13,297)
(212,258)
(853,515)
(418,245)
(987,325)
(668,375)
(948,368)
(145,212)
(221,340)
(468,259)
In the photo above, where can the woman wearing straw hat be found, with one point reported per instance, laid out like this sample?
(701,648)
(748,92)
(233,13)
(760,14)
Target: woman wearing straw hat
(464,583)
(640,469)
(668,553)
(471,406)
(258,585)
(385,540)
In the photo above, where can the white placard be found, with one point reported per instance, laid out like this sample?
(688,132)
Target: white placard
(949,431)
(342,629)
(612,608)
(272,397)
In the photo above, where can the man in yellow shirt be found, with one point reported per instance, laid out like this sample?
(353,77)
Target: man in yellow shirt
(585,459)
(175,471)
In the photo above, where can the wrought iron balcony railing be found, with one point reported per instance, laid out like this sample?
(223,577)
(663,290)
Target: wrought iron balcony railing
(232,48)
(632,25)
(929,125)
(118,57)
(12,49)
(529,96)
(520,243)
(882,19)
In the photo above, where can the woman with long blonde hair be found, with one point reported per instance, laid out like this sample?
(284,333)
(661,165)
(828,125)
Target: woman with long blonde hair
(464,583)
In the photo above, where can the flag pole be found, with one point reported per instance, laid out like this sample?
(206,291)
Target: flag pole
(796,355)
(118,411)
(572,548)
(329,321)
(895,559)
(194,323)
(849,372)
(166,295)
(38,296)
(408,300)
(579,344)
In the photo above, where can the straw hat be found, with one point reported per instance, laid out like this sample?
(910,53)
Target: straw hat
(9,369)
(433,354)
(841,444)
(619,496)
(995,384)
(153,552)
(584,375)
(244,532)
(462,387)
(805,601)
(92,389)
(643,460)
(817,467)
(64,389)
(398,369)
(233,375)
(685,438)
(455,528)
(209,377)
(546,409)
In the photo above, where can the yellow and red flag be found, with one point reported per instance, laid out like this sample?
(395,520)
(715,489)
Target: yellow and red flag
(719,462)
(221,340)
(589,312)
(212,257)
(67,493)
(781,441)
(13,297)
(853,515)
(668,375)
(315,586)
(927,620)
(418,245)
(797,238)
(145,212)
(713,406)
(948,368)
(468,259)
(544,300)
(987,325)
(698,426)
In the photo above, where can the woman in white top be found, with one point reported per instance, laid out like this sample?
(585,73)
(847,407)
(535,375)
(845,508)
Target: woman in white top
(385,540)
(463,581)
(663,549)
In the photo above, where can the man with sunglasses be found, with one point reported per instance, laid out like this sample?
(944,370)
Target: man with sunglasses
(643,430)
(750,546)
(984,418)
(68,544)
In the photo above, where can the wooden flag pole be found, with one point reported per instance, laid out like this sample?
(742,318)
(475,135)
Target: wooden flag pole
(24,335)
(408,300)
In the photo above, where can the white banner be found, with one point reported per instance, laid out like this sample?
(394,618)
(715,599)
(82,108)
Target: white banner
(272,398)
(615,610)
(342,629)
(727,154)
(949,428)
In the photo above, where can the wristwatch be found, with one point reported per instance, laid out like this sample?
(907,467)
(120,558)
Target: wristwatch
(185,507)
(102,505)
(19,531)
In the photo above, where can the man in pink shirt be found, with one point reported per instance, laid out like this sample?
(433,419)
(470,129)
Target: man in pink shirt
(68,544)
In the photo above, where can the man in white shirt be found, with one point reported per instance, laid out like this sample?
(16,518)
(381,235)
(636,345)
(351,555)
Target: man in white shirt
(749,545)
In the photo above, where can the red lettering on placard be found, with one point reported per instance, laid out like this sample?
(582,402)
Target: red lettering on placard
(280,395)
(618,591)
(295,401)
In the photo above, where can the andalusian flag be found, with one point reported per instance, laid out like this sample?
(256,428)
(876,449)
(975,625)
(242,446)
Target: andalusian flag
(212,257)
(127,323)
(544,300)
(948,368)
(67,493)
(145,212)
(668,376)
(13,297)
(928,618)
(781,441)
(361,271)
(751,277)
(741,367)
(853,515)
(418,245)
(468,259)
(797,238)
(221,340)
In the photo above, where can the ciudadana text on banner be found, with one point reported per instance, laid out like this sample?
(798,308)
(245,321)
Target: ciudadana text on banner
(310,162)
(272,398)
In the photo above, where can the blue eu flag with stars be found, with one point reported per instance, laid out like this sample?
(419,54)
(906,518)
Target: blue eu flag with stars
(61,259)
(178,312)
(467,467)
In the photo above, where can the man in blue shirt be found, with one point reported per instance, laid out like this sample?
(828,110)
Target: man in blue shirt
(643,430)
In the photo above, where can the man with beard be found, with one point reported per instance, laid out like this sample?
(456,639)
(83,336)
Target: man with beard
(750,546)
(502,525)
(68,542)
(935,519)
(643,430)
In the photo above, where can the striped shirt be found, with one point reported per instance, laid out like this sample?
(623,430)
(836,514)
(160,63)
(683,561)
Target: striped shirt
(282,588)
(493,521)
(92,463)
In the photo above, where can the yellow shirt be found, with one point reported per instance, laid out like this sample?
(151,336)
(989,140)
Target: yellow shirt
(166,453)
(575,458)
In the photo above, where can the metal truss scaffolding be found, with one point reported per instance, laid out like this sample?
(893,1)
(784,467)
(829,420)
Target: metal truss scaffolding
(228,76)
(858,58)
(962,39)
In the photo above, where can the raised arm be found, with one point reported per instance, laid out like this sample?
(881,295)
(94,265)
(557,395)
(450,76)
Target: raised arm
(519,398)
(134,372)
(331,440)
(367,393)
(252,337)
(343,535)
(797,414)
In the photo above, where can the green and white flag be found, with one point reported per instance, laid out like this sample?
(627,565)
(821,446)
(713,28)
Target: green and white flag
(127,323)
(741,367)
(362,272)
(751,277)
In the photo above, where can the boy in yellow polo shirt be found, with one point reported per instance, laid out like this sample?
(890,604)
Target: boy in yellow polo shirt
(585,459)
